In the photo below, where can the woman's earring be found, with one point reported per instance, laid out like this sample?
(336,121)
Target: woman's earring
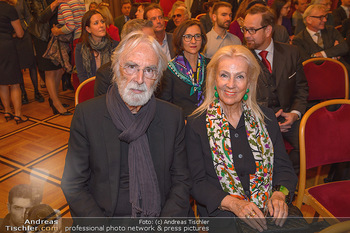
(245,97)
(216,94)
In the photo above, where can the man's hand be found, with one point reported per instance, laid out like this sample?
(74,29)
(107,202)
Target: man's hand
(290,118)
(318,54)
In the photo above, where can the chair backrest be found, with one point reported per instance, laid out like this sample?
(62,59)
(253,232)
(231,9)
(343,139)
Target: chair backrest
(327,79)
(85,90)
(324,138)
(200,15)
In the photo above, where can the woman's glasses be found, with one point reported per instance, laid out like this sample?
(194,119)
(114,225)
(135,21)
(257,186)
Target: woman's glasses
(188,37)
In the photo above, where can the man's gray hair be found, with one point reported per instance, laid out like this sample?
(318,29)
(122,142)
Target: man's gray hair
(310,9)
(128,43)
(185,10)
(135,25)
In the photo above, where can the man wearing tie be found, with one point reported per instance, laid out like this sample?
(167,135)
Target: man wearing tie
(319,40)
(282,85)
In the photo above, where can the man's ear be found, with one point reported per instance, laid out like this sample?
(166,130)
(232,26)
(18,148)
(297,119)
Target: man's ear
(9,207)
(213,17)
(268,30)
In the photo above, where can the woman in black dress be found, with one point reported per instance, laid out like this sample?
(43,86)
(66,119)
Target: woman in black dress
(44,17)
(10,71)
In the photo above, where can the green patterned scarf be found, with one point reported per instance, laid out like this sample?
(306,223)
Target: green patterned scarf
(262,148)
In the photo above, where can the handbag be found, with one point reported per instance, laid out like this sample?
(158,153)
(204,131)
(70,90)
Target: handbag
(295,223)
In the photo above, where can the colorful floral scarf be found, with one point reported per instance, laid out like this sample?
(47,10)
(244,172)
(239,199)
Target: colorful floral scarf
(260,144)
(182,69)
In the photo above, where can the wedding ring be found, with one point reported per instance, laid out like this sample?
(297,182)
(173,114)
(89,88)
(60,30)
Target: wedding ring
(253,214)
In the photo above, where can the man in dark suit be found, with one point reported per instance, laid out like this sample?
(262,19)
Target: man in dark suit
(155,14)
(282,85)
(341,13)
(319,40)
(126,152)
(125,17)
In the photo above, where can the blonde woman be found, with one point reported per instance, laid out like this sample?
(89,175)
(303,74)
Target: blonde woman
(236,154)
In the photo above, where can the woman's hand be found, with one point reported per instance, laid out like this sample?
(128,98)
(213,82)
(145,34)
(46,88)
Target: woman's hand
(278,208)
(247,211)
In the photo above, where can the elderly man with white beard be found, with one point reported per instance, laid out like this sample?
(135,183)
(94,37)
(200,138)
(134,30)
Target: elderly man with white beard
(126,152)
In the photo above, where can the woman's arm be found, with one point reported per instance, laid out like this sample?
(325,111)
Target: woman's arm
(82,74)
(65,14)
(16,24)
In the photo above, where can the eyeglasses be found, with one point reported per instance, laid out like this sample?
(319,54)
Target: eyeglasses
(251,31)
(148,72)
(188,37)
(177,15)
(321,17)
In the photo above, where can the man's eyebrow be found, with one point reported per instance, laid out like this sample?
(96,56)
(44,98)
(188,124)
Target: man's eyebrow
(130,63)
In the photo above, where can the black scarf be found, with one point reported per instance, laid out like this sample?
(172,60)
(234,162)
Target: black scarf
(143,182)
(104,48)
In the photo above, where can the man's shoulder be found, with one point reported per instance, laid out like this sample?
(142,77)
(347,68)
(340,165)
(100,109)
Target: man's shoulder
(338,10)
(96,105)
(284,46)
(297,15)
(233,38)
(164,107)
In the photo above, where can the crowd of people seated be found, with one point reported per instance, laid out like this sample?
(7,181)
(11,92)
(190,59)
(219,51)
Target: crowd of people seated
(229,84)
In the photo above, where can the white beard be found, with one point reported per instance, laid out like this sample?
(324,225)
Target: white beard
(131,98)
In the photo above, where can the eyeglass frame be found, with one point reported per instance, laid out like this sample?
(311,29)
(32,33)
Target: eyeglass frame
(155,70)
(245,29)
(193,36)
(321,17)
(177,15)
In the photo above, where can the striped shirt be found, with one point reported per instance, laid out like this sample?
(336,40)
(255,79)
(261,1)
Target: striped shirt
(70,15)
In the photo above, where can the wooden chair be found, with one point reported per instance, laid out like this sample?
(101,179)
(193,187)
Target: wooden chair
(328,80)
(341,227)
(85,90)
(200,15)
(324,139)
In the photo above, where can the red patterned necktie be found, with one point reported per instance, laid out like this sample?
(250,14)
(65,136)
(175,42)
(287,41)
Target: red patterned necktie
(264,60)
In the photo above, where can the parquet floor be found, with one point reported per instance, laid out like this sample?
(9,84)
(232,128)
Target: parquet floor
(34,151)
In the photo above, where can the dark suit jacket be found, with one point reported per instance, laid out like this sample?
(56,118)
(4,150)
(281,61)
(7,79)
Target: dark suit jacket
(291,85)
(170,44)
(206,189)
(339,15)
(90,180)
(119,23)
(103,79)
(329,35)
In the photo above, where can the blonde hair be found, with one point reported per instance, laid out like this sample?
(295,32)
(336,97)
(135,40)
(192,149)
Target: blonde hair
(11,2)
(104,10)
(232,51)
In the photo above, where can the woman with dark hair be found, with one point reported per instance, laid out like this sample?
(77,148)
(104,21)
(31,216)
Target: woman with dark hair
(141,10)
(182,83)
(10,78)
(282,8)
(95,48)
